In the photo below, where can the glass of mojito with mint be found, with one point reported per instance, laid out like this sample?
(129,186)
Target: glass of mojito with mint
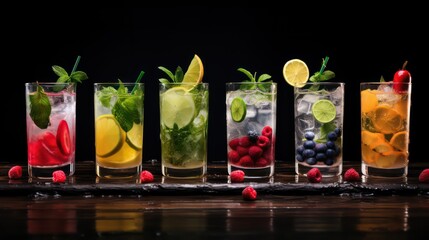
(119,118)
(183,129)
(251,125)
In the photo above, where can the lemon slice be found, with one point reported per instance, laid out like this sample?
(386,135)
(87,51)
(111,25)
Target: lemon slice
(400,141)
(135,136)
(324,111)
(387,120)
(109,137)
(238,109)
(368,100)
(195,72)
(296,73)
(177,107)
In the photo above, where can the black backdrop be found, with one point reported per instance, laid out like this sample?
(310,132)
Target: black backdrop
(119,43)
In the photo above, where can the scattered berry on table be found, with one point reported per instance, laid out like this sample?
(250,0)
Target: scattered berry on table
(351,175)
(314,175)
(424,176)
(146,176)
(237,176)
(249,193)
(15,172)
(58,176)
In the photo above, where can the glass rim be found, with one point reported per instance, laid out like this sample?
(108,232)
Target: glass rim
(116,83)
(385,83)
(186,83)
(324,83)
(49,83)
(248,83)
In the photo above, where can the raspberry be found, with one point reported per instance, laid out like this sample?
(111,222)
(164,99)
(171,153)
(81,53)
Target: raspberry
(146,177)
(245,142)
(246,161)
(263,142)
(237,176)
(267,131)
(314,175)
(268,154)
(233,156)
(249,193)
(242,151)
(351,175)
(58,176)
(255,152)
(15,172)
(424,176)
(234,143)
(261,162)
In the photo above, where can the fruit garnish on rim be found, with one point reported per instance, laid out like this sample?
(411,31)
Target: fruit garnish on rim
(400,77)
(193,75)
(40,107)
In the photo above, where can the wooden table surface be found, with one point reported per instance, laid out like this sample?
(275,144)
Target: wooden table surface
(287,207)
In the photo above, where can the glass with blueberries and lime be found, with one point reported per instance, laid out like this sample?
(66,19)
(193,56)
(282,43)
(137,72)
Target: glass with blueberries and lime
(318,111)
(251,125)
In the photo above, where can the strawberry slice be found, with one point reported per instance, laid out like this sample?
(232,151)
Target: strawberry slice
(401,76)
(63,138)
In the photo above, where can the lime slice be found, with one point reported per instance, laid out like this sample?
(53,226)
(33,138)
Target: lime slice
(195,72)
(296,73)
(324,111)
(177,107)
(135,136)
(238,109)
(109,136)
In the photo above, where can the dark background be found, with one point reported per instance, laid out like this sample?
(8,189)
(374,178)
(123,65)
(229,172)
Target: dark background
(363,45)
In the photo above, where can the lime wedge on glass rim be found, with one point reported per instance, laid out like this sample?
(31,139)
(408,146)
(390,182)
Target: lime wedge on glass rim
(238,109)
(324,111)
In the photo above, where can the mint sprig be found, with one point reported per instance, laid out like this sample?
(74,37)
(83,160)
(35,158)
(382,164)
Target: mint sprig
(40,107)
(177,77)
(322,74)
(252,78)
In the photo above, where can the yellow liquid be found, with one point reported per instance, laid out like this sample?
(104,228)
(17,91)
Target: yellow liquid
(126,157)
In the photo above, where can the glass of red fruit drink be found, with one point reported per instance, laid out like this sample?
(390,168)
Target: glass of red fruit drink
(251,126)
(51,125)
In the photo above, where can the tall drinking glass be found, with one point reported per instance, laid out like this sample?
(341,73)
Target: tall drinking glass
(51,128)
(385,126)
(319,113)
(184,112)
(118,112)
(251,127)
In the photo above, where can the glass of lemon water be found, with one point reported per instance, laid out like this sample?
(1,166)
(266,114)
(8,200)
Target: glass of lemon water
(385,126)
(119,117)
(184,129)
(319,114)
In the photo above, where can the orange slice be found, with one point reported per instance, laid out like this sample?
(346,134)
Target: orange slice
(400,141)
(368,100)
(387,120)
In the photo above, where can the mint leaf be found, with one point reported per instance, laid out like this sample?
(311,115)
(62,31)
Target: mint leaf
(105,95)
(248,74)
(325,129)
(40,108)
(59,71)
(264,77)
(126,111)
(178,76)
(78,76)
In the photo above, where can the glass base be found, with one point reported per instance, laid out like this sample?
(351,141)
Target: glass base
(184,173)
(326,171)
(384,172)
(265,172)
(112,173)
(46,172)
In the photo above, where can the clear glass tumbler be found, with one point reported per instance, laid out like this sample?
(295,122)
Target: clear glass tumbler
(51,128)
(251,127)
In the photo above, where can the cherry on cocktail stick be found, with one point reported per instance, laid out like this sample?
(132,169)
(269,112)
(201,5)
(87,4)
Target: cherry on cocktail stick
(401,76)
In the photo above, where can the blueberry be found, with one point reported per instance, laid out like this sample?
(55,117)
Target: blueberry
(253,136)
(311,161)
(308,153)
(299,158)
(330,144)
(329,161)
(300,149)
(330,153)
(320,157)
(309,135)
(320,147)
(309,144)
(332,136)
(338,131)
